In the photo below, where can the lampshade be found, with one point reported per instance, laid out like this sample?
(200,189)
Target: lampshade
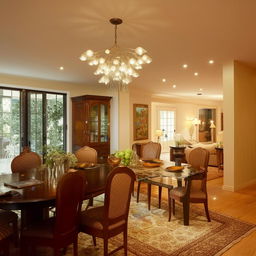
(212,124)
(159,133)
(196,121)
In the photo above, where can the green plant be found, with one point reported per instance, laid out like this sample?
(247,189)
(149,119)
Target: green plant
(55,156)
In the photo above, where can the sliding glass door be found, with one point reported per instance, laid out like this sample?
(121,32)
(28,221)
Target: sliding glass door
(10,139)
(30,118)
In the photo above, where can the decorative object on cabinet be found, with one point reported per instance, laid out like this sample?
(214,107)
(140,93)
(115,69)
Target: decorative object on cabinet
(91,124)
(140,121)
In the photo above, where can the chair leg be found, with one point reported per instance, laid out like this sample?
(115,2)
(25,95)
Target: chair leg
(94,240)
(56,251)
(149,196)
(169,205)
(173,206)
(186,213)
(159,196)
(138,191)
(6,247)
(125,241)
(16,232)
(23,248)
(105,247)
(75,249)
(207,211)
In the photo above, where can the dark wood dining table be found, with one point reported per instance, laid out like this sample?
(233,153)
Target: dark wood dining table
(33,200)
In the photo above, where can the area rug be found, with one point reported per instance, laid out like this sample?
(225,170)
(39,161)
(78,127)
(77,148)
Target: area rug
(150,233)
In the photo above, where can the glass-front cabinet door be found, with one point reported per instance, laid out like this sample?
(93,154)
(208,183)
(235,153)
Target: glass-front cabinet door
(99,123)
(94,123)
(104,123)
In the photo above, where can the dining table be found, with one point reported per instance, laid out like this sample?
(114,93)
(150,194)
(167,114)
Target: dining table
(34,201)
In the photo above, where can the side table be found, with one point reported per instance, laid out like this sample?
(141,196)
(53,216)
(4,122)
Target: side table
(220,160)
(177,154)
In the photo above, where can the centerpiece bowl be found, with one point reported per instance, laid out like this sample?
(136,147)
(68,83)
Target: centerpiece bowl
(114,161)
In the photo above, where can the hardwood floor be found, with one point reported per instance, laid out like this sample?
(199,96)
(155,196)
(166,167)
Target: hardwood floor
(241,205)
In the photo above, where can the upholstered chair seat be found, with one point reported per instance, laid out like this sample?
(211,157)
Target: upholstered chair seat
(195,190)
(62,230)
(112,218)
(94,219)
(149,151)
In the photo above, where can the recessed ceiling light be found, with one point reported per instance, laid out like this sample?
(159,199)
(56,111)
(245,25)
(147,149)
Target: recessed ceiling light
(185,65)
(196,74)
(200,89)
(211,61)
(61,68)
(174,86)
(163,80)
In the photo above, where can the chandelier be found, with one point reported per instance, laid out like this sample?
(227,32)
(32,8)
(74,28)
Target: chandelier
(117,64)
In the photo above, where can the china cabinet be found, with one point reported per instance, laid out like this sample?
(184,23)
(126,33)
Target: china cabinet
(91,124)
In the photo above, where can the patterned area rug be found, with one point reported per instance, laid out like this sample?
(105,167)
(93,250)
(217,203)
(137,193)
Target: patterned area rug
(151,234)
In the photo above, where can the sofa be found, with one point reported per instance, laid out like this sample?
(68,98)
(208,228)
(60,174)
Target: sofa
(209,146)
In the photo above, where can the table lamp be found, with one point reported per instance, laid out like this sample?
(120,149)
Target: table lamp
(158,134)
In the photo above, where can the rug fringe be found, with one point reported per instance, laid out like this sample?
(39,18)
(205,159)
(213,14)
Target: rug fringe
(226,248)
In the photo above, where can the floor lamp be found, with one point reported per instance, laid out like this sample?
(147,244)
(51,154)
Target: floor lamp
(197,122)
(212,126)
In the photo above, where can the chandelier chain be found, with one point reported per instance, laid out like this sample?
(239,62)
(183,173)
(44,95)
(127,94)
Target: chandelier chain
(115,34)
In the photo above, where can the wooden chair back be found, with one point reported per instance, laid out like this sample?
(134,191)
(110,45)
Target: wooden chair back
(69,197)
(86,154)
(25,161)
(199,159)
(151,150)
(118,191)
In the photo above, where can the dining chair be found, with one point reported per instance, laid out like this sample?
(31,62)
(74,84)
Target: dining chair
(86,154)
(149,151)
(5,235)
(112,218)
(62,230)
(195,189)
(25,161)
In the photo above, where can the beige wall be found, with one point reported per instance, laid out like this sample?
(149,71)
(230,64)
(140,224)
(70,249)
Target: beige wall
(240,122)
(72,89)
(228,109)
(185,111)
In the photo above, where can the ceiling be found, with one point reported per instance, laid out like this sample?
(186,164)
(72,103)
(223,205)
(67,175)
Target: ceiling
(37,37)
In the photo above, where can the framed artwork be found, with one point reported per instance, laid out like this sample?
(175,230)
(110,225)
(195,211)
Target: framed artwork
(140,122)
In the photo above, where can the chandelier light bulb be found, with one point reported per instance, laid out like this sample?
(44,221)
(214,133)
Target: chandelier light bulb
(116,63)
(140,50)
(83,58)
(89,53)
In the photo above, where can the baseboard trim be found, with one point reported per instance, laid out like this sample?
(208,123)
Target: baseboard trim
(246,184)
(228,188)
(233,189)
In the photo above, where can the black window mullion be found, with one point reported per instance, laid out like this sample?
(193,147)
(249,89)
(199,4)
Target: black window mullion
(65,122)
(44,122)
